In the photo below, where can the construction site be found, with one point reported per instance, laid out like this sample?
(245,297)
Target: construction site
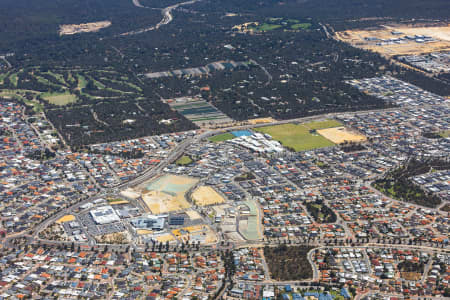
(395,40)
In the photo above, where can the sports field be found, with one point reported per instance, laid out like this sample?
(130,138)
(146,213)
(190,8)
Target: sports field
(299,137)
(322,124)
(206,195)
(341,134)
(221,137)
(167,193)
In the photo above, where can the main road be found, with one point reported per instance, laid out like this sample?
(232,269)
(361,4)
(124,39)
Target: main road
(166,13)
(175,153)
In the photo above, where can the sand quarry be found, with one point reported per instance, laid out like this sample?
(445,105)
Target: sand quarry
(167,193)
(69,29)
(439,33)
(339,135)
(206,195)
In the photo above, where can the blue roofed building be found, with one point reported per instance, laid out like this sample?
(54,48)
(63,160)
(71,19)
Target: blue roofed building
(240,133)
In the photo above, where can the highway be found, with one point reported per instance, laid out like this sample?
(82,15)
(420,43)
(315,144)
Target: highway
(166,13)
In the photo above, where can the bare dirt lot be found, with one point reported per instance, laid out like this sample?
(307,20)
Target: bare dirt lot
(69,29)
(159,202)
(206,195)
(341,134)
(165,238)
(167,193)
(202,233)
(261,121)
(113,238)
(410,276)
(193,215)
(383,40)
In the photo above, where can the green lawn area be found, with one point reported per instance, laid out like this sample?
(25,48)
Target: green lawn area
(317,125)
(70,78)
(14,79)
(45,81)
(268,27)
(303,26)
(184,160)
(97,84)
(37,107)
(133,86)
(81,81)
(57,76)
(111,200)
(59,99)
(11,94)
(298,137)
(221,137)
(3,76)
(445,134)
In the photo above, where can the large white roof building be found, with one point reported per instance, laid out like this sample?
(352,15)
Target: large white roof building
(104,215)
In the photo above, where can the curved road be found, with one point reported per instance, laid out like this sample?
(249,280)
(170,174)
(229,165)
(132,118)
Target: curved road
(31,234)
(166,13)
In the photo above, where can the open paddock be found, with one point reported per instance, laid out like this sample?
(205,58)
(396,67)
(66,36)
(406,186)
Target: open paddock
(60,99)
(339,135)
(165,238)
(300,137)
(206,195)
(167,193)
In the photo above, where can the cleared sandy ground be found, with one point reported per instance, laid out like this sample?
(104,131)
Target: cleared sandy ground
(114,238)
(144,231)
(159,202)
(69,29)
(66,218)
(193,215)
(202,233)
(167,193)
(206,195)
(130,193)
(341,134)
(439,33)
(165,238)
(261,121)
